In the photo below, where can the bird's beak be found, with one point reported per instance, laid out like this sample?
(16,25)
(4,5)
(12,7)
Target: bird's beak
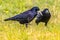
(39,12)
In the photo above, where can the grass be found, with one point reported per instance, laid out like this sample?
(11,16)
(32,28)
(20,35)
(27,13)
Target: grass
(12,30)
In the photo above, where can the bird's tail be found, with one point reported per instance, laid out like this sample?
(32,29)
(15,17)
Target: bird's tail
(8,19)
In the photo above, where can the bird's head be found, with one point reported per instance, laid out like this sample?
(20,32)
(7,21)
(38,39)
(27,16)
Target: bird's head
(46,10)
(35,8)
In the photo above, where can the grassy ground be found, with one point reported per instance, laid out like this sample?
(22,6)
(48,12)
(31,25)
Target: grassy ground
(12,30)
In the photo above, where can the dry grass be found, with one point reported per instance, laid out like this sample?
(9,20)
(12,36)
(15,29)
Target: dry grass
(13,31)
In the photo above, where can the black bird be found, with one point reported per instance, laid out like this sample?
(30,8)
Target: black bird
(44,18)
(25,17)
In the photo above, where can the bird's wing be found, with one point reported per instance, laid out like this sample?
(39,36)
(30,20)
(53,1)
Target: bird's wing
(23,15)
(32,15)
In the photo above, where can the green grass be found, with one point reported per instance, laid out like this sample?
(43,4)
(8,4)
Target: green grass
(12,30)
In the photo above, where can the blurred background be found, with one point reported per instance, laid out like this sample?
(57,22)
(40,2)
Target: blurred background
(12,30)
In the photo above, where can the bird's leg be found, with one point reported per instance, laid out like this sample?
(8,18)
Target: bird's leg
(45,23)
(37,23)
(26,25)
(47,26)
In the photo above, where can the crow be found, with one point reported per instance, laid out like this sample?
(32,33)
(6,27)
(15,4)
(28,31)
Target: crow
(25,17)
(44,17)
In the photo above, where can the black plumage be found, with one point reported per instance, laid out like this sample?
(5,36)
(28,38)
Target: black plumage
(25,17)
(44,18)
